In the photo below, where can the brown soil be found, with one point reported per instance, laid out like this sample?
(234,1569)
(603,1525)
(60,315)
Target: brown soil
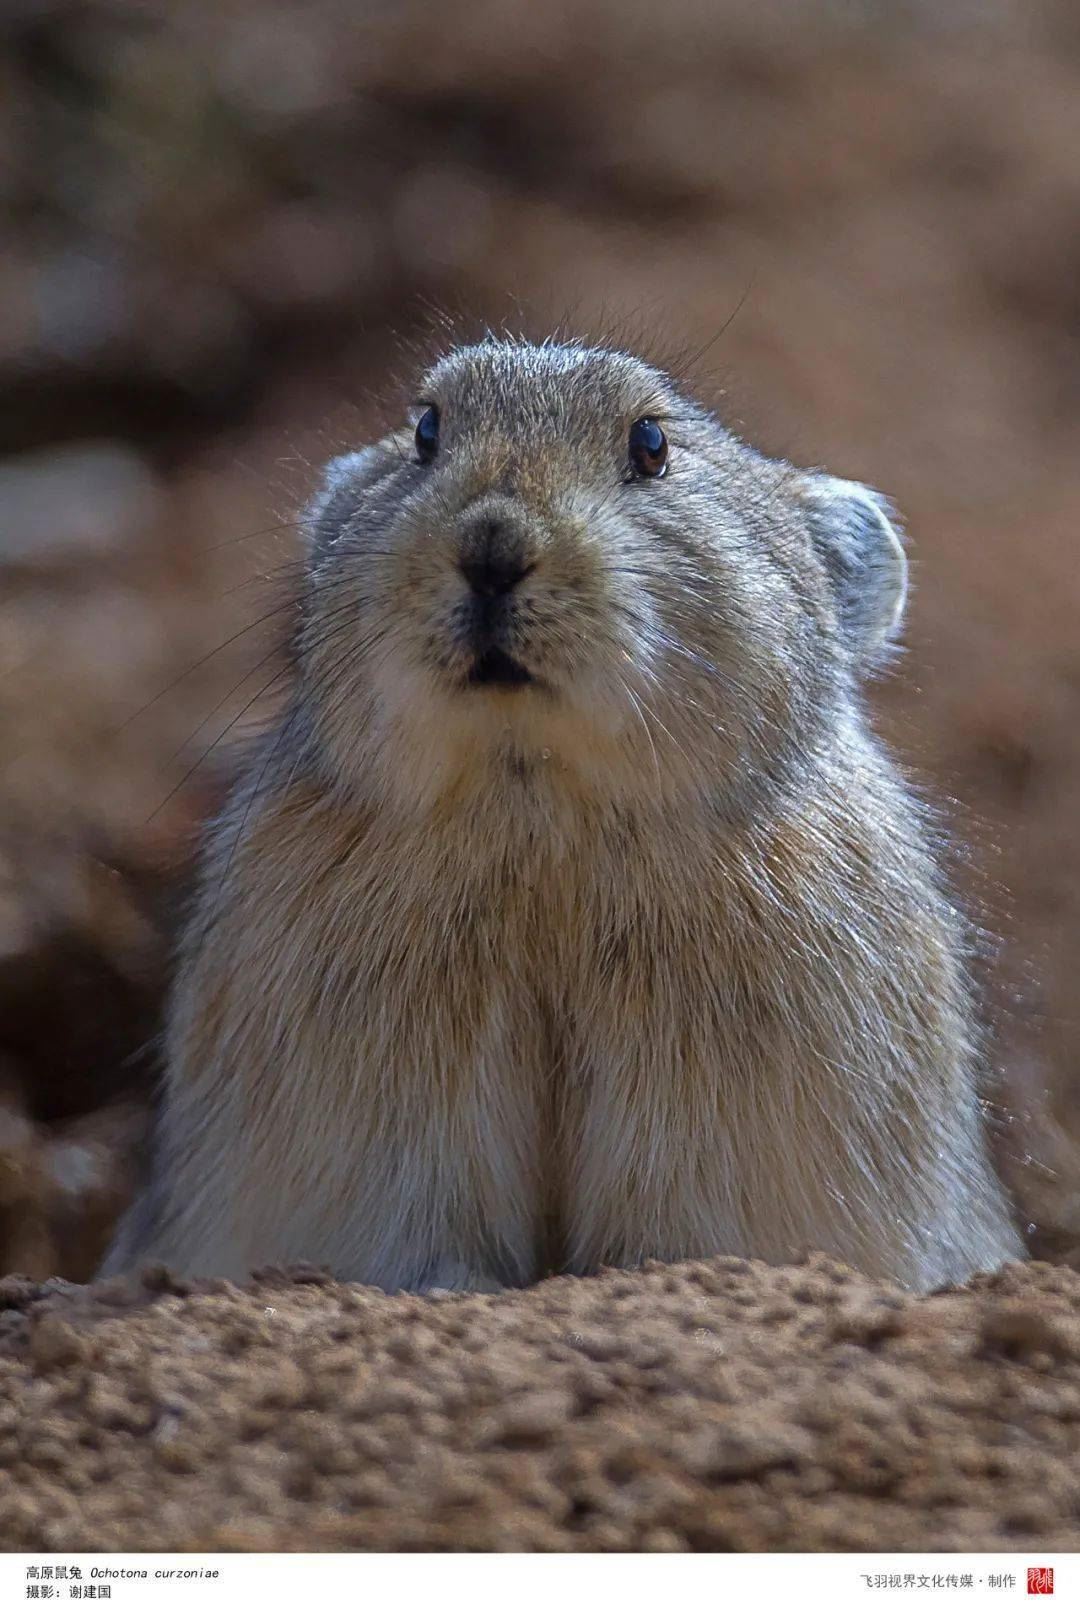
(727,1406)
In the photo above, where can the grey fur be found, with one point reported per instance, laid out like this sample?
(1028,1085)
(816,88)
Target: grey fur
(649,957)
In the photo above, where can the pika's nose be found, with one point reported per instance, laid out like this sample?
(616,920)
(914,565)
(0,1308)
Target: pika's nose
(494,556)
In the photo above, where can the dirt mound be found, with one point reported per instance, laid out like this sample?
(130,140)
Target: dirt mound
(717,1406)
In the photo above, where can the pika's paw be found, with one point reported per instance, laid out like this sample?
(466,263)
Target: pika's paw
(455,1277)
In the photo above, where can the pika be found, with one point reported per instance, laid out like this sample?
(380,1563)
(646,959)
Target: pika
(572,915)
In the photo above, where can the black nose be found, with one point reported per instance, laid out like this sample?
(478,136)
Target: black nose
(493,557)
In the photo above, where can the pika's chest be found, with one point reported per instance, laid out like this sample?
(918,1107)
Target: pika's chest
(530,938)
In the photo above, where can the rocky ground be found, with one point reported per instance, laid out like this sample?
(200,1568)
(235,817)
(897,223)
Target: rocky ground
(723,1407)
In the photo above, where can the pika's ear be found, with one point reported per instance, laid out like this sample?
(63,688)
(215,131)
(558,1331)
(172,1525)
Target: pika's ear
(862,549)
(345,480)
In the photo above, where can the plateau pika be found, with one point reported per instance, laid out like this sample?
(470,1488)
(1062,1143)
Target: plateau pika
(572,915)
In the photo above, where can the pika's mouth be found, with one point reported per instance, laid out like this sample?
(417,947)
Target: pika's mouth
(493,667)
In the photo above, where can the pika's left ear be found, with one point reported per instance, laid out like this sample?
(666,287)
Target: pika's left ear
(852,528)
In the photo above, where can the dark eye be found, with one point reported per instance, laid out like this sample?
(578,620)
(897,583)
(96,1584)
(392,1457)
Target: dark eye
(648,449)
(427,435)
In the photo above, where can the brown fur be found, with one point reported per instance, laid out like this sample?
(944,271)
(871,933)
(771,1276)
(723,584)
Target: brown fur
(647,958)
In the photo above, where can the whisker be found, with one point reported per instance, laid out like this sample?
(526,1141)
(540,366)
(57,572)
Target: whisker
(271,755)
(351,655)
(678,747)
(199,662)
(648,733)
(255,534)
(275,652)
(208,751)
(294,565)
(699,354)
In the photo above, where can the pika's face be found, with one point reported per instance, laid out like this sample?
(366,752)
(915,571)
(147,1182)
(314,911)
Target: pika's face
(563,564)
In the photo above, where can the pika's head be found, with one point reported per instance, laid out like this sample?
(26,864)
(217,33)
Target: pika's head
(563,565)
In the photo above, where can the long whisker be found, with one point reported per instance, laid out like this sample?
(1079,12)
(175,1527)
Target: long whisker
(209,750)
(678,746)
(294,565)
(254,534)
(699,354)
(275,652)
(648,733)
(199,662)
(271,755)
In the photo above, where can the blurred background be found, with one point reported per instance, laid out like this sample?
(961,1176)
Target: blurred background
(229,230)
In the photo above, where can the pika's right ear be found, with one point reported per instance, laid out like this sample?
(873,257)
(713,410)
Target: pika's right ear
(345,480)
(852,529)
